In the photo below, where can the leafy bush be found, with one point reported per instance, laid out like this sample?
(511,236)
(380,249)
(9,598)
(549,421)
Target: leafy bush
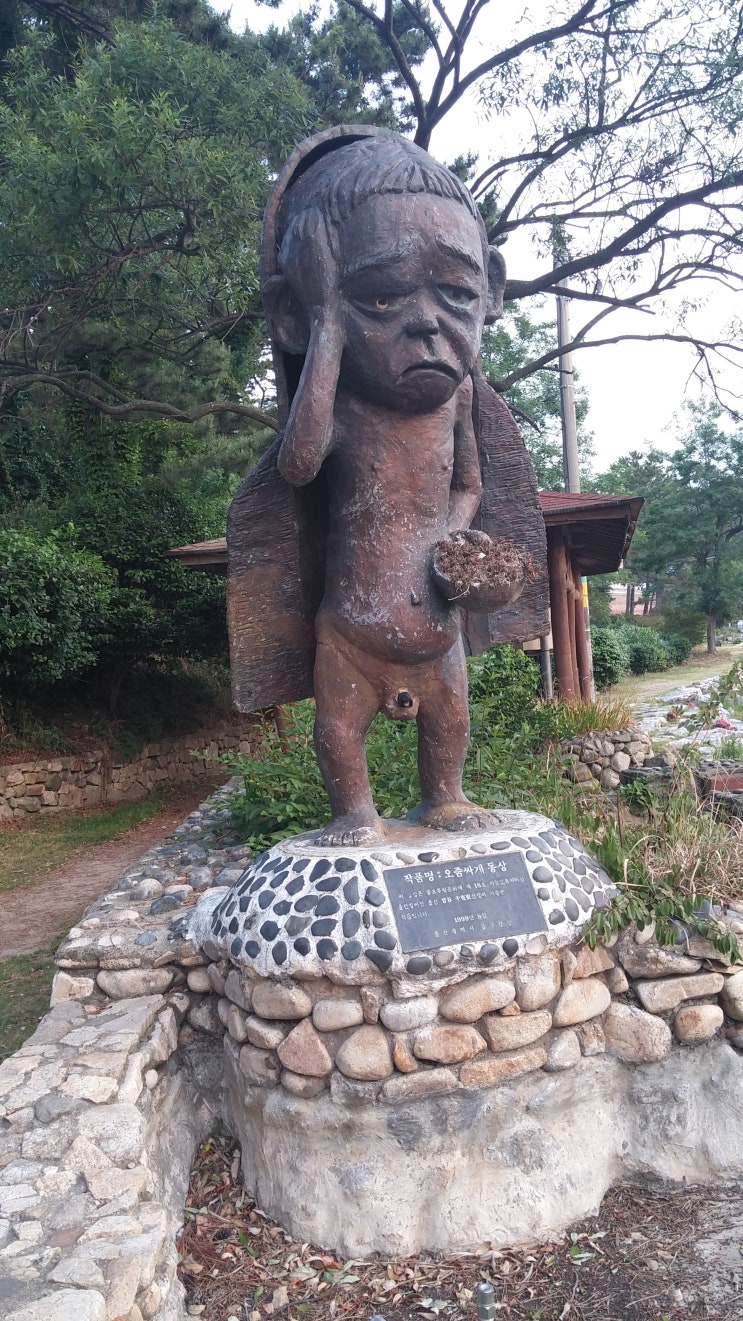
(504,693)
(53,605)
(610,656)
(677,647)
(646,649)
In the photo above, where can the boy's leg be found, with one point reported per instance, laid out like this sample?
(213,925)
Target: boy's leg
(443,739)
(346,705)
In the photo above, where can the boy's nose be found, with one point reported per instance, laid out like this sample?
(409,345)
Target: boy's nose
(421,320)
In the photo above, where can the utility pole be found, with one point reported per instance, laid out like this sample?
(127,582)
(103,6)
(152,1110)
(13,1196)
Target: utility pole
(571,479)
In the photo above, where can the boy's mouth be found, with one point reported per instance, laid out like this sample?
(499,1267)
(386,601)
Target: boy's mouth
(433,365)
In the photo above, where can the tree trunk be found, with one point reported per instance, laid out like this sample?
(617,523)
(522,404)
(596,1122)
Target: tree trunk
(629,608)
(711,634)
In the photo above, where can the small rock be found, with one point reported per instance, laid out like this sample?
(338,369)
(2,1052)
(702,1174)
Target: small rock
(732,996)
(236,989)
(331,1015)
(365,1055)
(448,1044)
(537,981)
(563,1051)
(696,1023)
(616,980)
(67,986)
(635,1036)
(261,1067)
(402,1057)
(371,1003)
(512,1033)
(302,1086)
(197,979)
(303,1052)
(589,962)
(669,992)
(620,761)
(492,1069)
(591,1038)
(63,1305)
(235,1023)
(473,998)
(216,977)
(405,1015)
(427,1082)
(266,1036)
(275,1000)
(132,982)
(204,1015)
(581,1000)
(651,960)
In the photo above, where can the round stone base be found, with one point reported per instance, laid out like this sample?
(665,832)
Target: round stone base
(450,1171)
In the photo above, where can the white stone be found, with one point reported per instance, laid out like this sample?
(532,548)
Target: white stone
(118,1130)
(651,960)
(234,1021)
(405,1015)
(365,1055)
(732,996)
(331,1015)
(67,986)
(197,981)
(581,1000)
(275,1000)
(563,1051)
(266,1036)
(537,981)
(90,1087)
(669,992)
(79,1270)
(64,1305)
(236,989)
(471,999)
(635,1036)
(696,1023)
(112,1226)
(133,982)
(512,1032)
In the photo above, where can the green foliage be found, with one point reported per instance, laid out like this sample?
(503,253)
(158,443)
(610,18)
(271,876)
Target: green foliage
(610,656)
(53,607)
(503,691)
(645,649)
(678,620)
(677,647)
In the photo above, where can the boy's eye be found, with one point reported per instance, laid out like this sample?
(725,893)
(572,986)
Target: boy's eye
(382,302)
(457,295)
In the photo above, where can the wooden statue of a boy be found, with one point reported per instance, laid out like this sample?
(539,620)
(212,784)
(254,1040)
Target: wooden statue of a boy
(377,281)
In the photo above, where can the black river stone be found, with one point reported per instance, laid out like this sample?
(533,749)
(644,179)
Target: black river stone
(351,922)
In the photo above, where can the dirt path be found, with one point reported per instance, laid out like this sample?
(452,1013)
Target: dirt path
(34,915)
(638,689)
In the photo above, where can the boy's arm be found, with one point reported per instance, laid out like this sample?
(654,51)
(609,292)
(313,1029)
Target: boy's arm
(466,480)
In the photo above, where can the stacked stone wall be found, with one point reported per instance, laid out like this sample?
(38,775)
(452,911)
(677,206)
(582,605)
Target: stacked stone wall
(601,758)
(59,784)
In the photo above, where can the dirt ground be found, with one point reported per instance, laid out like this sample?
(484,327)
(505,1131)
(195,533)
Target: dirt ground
(639,688)
(34,914)
(654,1252)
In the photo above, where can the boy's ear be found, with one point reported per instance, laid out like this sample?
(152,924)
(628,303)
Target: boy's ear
(285,315)
(496,286)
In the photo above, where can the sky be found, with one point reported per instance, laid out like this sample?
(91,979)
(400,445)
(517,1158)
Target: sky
(636,390)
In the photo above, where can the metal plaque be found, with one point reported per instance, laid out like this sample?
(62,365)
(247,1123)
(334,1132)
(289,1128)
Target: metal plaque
(445,903)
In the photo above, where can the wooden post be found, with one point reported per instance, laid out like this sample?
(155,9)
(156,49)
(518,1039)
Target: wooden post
(561,611)
(582,651)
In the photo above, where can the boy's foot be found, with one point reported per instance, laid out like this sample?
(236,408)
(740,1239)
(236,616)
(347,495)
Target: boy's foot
(461,817)
(355,830)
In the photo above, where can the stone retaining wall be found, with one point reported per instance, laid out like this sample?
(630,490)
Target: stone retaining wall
(61,784)
(603,757)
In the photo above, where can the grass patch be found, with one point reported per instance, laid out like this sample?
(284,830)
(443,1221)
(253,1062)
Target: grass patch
(25,986)
(28,849)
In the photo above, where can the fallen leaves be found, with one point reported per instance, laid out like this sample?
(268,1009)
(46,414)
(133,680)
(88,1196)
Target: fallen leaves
(237,1263)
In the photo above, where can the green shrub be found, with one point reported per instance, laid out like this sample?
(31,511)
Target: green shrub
(677,646)
(53,607)
(646,649)
(504,693)
(610,656)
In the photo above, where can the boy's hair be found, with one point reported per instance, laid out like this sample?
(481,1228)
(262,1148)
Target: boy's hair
(370,167)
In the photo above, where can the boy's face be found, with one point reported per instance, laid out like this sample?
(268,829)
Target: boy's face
(413,293)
